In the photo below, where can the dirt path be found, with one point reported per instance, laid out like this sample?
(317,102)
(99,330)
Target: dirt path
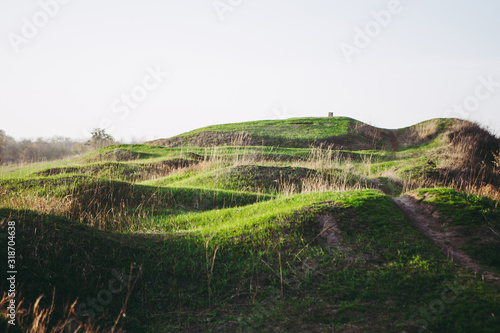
(422,216)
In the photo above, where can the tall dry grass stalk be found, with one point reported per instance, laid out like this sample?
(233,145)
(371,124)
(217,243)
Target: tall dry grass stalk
(496,161)
(245,156)
(367,165)
(320,183)
(419,133)
(286,188)
(44,205)
(329,183)
(37,318)
(370,132)
(90,203)
(241,139)
(333,168)
(472,160)
(325,158)
(160,170)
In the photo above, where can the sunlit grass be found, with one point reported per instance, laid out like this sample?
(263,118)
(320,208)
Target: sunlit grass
(245,238)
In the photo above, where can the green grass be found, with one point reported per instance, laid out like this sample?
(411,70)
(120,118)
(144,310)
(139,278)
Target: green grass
(340,132)
(476,219)
(289,128)
(292,133)
(23,170)
(132,172)
(379,276)
(93,195)
(462,208)
(251,178)
(226,246)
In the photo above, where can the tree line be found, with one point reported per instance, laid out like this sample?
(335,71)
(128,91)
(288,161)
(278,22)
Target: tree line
(36,150)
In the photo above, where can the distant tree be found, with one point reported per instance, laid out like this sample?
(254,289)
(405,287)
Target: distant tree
(11,150)
(29,150)
(3,143)
(100,139)
(79,148)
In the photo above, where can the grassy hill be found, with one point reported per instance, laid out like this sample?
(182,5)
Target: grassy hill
(299,225)
(338,132)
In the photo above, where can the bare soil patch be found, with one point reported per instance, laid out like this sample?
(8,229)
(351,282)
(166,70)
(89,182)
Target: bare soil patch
(426,219)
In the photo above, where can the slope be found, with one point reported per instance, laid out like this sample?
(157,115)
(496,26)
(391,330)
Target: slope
(243,238)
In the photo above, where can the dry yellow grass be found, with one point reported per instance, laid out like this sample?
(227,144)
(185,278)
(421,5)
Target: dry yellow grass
(334,183)
(37,318)
(419,133)
(496,161)
(373,133)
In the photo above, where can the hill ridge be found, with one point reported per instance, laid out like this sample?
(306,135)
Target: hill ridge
(338,132)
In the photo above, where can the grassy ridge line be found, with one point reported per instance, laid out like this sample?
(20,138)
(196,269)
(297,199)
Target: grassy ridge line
(63,185)
(131,172)
(226,260)
(297,133)
(304,132)
(100,202)
(321,127)
(381,273)
(145,152)
(25,170)
(241,177)
(127,170)
(255,219)
(105,155)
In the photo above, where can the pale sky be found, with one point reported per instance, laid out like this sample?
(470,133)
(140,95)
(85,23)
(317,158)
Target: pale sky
(68,66)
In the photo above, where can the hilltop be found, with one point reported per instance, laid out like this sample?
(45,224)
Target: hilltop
(337,132)
(459,146)
(298,225)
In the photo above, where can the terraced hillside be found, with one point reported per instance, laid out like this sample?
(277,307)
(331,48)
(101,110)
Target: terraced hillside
(300,225)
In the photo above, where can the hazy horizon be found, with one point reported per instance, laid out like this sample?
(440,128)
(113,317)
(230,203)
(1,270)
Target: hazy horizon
(157,69)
